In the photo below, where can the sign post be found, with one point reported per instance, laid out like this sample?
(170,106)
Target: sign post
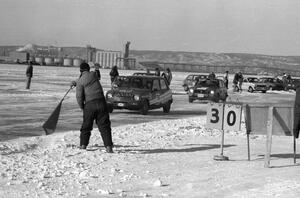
(215,117)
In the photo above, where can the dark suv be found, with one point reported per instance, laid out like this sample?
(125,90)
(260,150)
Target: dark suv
(139,93)
(191,80)
(208,90)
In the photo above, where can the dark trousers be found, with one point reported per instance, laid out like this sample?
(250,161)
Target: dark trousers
(96,110)
(28,82)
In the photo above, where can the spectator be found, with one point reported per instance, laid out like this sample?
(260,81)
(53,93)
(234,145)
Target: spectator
(90,98)
(212,76)
(168,76)
(235,82)
(97,65)
(157,72)
(29,74)
(113,73)
(240,81)
(226,79)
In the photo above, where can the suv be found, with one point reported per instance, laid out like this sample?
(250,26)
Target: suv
(272,83)
(191,80)
(252,84)
(139,93)
(208,90)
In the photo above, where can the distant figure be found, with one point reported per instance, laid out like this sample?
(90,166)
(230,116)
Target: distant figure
(97,65)
(284,81)
(212,76)
(235,82)
(240,81)
(157,72)
(29,74)
(296,127)
(226,79)
(167,75)
(113,73)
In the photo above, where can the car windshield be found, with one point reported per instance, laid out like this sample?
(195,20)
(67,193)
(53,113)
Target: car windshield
(129,82)
(207,83)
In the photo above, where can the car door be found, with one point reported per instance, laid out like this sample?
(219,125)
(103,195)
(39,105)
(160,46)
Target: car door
(165,92)
(155,93)
(222,89)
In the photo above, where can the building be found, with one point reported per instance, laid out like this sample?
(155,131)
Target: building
(107,59)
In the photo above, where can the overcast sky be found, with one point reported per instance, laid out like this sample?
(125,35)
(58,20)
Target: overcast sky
(247,26)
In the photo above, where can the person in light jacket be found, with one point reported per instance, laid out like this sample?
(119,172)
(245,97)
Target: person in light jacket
(90,98)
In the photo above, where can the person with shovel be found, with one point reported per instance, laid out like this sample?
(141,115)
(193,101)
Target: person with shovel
(90,98)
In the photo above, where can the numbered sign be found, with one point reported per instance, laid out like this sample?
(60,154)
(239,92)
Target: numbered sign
(215,115)
(232,117)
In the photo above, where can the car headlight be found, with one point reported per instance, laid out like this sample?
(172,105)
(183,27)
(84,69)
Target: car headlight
(136,97)
(109,95)
(212,92)
(191,91)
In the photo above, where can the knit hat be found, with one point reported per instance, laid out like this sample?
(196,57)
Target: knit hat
(84,67)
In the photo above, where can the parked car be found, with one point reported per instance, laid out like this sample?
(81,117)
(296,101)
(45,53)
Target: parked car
(191,80)
(252,84)
(208,90)
(272,83)
(140,93)
(291,84)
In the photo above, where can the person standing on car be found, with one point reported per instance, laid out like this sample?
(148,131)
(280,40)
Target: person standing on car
(113,73)
(226,79)
(90,98)
(167,75)
(29,74)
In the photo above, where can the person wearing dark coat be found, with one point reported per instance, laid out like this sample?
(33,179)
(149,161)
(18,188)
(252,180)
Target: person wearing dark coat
(157,71)
(29,74)
(167,75)
(113,73)
(296,126)
(90,98)
(226,78)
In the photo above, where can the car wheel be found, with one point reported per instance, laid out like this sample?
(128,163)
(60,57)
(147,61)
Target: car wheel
(191,100)
(217,98)
(145,108)
(250,90)
(167,107)
(263,91)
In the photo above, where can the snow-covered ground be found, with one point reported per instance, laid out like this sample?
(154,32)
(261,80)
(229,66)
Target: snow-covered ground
(166,158)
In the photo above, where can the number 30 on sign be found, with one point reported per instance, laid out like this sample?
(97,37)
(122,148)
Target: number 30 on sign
(224,116)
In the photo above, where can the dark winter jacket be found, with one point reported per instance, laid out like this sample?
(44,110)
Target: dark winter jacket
(29,71)
(88,88)
(113,73)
